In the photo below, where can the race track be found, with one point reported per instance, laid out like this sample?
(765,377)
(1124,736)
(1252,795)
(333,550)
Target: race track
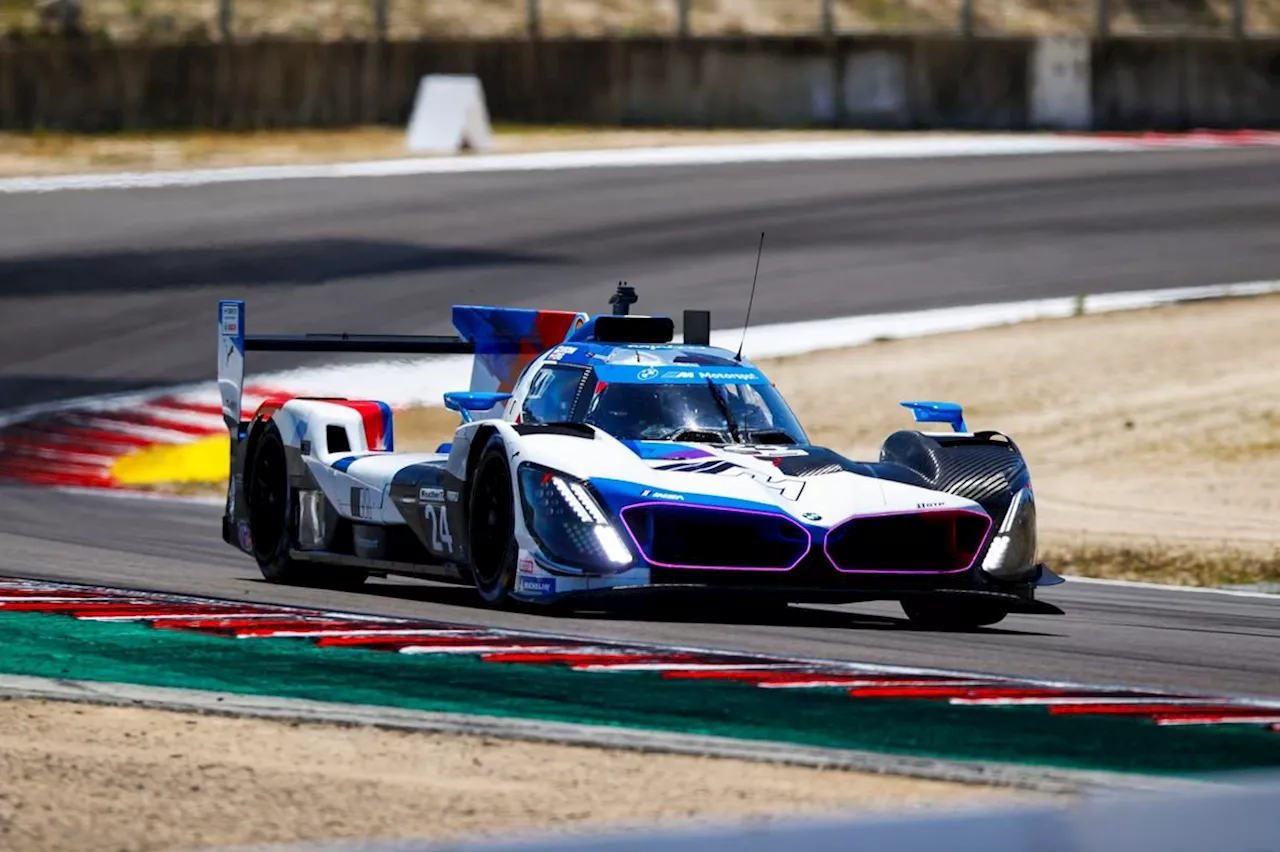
(1190,641)
(103,291)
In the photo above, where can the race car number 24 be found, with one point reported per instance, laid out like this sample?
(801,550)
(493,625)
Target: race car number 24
(441,538)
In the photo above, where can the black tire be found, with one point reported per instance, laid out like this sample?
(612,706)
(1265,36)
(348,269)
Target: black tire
(932,614)
(273,521)
(491,525)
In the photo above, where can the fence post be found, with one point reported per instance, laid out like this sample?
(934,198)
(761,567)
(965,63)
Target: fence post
(828,17)
(1238,23)
(533,18)
(225,19)
(966,17)
(1104,18)
(380,24)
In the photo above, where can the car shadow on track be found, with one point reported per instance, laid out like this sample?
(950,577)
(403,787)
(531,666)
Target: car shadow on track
(674,609)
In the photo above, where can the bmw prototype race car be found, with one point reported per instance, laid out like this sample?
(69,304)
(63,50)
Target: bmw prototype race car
(594,454)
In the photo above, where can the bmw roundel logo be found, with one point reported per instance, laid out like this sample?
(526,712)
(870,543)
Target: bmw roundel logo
(810,516)
(646,374)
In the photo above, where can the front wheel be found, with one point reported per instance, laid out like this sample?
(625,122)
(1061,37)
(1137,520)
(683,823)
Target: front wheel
(931,614)
(492,525)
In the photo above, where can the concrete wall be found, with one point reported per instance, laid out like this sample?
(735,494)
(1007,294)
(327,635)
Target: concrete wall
(866,81)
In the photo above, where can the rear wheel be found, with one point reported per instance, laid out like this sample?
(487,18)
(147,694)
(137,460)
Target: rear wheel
(492,526)
(932,614)
(273,520)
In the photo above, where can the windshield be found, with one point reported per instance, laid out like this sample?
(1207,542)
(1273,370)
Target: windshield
(728,413)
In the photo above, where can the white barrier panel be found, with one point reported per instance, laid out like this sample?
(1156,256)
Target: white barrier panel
(449,115)
(1061,83)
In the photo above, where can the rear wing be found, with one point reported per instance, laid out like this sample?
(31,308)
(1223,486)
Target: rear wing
(233,343)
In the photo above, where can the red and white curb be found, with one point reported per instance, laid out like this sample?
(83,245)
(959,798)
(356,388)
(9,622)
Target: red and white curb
(862,682)
(78,445)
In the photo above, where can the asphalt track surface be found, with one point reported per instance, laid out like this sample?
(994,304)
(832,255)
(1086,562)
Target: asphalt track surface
(1150,638)
(111,290)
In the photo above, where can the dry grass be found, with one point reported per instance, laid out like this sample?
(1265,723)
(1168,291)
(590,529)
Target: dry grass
(63,153)
(329,19)
(1213,566)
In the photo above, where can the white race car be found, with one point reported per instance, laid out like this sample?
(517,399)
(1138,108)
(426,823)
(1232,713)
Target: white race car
(594,455)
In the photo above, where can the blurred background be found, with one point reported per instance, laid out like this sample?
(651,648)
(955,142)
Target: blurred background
(408,19)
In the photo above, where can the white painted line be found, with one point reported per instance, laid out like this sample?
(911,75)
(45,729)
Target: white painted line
(390,633)
(1060,701)
(858,684)
(1160,587)
(493,648)
(899,147)
(679,667)
(1221,720)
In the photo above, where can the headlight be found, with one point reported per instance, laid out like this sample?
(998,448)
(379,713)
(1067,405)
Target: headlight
(1012,553)
(568,523)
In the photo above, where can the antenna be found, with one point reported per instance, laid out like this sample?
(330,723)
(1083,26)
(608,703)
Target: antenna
(752,300)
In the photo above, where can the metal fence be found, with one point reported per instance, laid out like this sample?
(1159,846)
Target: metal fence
(398,19)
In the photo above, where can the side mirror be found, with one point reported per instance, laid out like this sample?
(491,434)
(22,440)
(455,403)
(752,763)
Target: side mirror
(465,402)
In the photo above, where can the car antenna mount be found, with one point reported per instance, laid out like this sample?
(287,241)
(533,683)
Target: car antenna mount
(752,300)
(623,299)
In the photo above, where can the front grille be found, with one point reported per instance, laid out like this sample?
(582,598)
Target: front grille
(675,536)
(940,542)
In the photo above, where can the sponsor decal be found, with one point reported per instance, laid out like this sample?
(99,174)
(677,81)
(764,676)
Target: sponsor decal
(525,563)
(929,505)
(679,374)
(646,374)
(230,320)
(299,431)
(560,352)
(812,516)
(536,585)
(789,487)
(451,496)
(441,538)
(661,495)
(431,495)
(728,377)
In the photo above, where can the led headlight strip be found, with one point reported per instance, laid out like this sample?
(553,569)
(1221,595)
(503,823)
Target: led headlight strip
(581,505)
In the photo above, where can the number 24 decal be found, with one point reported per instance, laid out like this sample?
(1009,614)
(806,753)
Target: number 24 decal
(441,538)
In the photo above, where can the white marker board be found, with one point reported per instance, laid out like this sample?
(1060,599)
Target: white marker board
(449,115)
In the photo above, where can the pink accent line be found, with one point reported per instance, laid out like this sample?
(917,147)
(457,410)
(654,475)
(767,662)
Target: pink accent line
(808,538)
(827,540)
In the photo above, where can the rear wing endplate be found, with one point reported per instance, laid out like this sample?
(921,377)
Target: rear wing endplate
(233,343)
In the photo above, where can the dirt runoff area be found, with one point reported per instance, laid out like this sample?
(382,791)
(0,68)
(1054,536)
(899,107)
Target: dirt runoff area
(82,777)
(1153,436)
